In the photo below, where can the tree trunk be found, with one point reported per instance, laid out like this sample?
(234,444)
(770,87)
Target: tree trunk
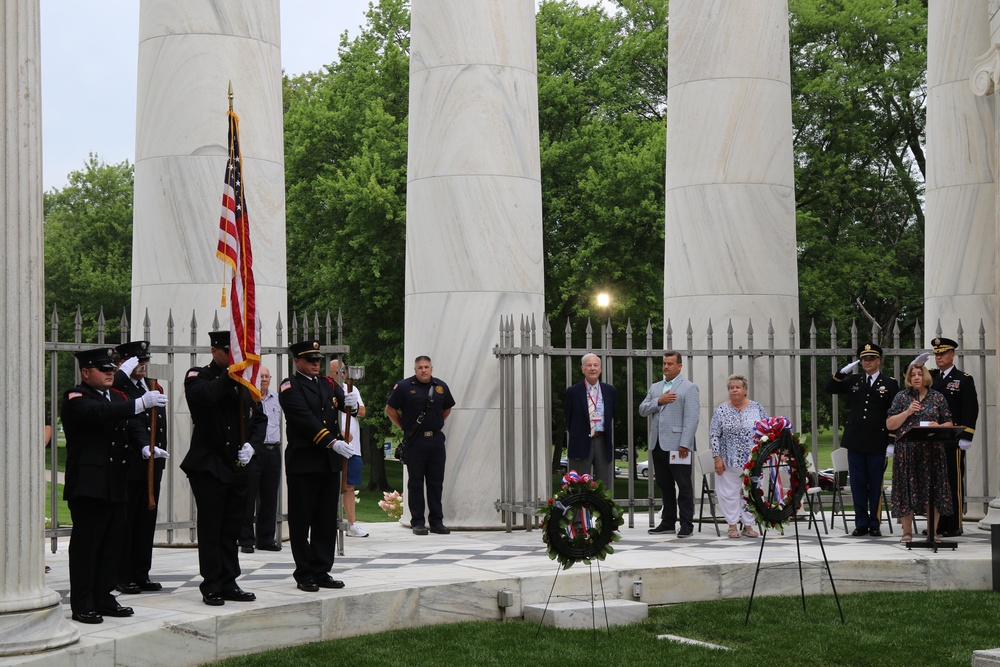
(373,456)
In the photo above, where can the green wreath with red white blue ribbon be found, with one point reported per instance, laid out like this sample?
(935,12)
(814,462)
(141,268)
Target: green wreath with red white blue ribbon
(776,477)
(580,521)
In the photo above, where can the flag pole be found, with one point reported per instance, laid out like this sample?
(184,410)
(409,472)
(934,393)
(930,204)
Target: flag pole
(229,150)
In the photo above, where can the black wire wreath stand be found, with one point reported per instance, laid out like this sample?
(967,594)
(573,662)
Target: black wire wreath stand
(784,447)
(593,597)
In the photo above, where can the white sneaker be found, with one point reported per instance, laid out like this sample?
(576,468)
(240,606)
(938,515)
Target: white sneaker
(356,531)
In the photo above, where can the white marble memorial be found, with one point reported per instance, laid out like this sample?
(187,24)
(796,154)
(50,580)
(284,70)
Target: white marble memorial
(730,202)
(473,221)
(189,51)
(31,615)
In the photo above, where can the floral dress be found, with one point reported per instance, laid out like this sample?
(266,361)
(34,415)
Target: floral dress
(731,432)
(912,460)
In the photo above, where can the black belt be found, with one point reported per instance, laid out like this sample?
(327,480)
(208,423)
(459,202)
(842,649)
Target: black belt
(427,434)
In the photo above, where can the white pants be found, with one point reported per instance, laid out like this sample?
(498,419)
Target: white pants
(729,491)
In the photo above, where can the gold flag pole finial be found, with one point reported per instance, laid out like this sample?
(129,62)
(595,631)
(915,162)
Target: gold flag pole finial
(230,94)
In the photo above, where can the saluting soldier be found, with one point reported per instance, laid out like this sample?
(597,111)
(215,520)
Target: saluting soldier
(959,389)
(140,520)
(869,397)
(99,422)
(228,426)
(314,457)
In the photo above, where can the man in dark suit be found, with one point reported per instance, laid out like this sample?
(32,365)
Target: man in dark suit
(99,423)
(869,396)
(959,389)
(228,427)
(140,520)
(589,411)
(314,457)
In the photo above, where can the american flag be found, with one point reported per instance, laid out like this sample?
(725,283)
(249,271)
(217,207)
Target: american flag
(234,250)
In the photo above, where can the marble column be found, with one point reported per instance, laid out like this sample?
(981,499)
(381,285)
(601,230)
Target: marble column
(31,614)
(730,201)
(189,51)
(473,221)
(963,209)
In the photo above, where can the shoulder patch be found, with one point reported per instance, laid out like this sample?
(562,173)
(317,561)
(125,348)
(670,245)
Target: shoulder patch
(74,394)
(287,384)
(193,373)
(439,389)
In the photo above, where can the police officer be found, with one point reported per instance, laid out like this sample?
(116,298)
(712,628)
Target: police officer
(140,520)
(425,402)
(99,423)
(314,457)
(869,396)
(959,390)
(228,427)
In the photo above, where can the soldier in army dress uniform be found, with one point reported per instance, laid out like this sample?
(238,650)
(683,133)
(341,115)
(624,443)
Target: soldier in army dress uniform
(228,427)
(99,423)
(314,456)
(869,396)
(959,389)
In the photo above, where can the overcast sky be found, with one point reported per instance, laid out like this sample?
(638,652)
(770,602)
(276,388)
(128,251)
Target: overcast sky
(89,53)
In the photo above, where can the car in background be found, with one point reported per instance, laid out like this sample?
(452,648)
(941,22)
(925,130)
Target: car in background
(642,469)
(621,453)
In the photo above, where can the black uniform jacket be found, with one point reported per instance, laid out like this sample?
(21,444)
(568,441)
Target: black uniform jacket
(138,466)
(312,423)
(959,390)
(98,437)
(214,401)
(867,408)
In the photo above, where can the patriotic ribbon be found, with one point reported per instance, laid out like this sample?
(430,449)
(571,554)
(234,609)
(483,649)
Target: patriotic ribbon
(573,476)
(770,427)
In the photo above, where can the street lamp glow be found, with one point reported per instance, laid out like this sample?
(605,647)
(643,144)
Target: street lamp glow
(603,300)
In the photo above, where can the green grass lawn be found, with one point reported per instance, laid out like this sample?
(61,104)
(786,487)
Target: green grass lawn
(883,629)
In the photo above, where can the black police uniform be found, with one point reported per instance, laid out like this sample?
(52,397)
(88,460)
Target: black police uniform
(959,389)
(220,409)
(98,431)
(425,453)
(312,470)
(140,520)
(865,437)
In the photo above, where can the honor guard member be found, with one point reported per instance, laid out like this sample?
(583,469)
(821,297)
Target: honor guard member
(959,389)
(314,457)
(228,427)
(99,422)
(140,520)
(869,396)
(425,402)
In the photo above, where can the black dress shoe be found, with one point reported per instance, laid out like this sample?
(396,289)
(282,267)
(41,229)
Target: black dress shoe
(420,530)
(131,588)
(90,617)
(440,530)
(117,610)
(213,599)
(329,582)
(150,585)
(662,529)
(269,547)
(951,533)
(858,532)
(238,595)
(246,550)
(874,531)
(685,533)
(308,586)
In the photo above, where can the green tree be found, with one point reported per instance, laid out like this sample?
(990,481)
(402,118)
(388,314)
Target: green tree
(345,175)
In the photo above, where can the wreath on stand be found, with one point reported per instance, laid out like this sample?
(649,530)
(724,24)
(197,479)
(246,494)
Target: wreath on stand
(776,477)
(580,521)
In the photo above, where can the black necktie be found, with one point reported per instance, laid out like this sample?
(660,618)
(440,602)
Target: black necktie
(142,390)
(870,382)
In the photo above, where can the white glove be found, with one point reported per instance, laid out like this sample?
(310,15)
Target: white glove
(245,454)
(964,444)
(850,367)
(153,399)
(129,365)
(921,359)
(342,448)
(351,402)
(157,453)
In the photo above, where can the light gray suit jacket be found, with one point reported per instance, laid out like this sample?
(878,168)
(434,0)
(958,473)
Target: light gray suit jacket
(672,425)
